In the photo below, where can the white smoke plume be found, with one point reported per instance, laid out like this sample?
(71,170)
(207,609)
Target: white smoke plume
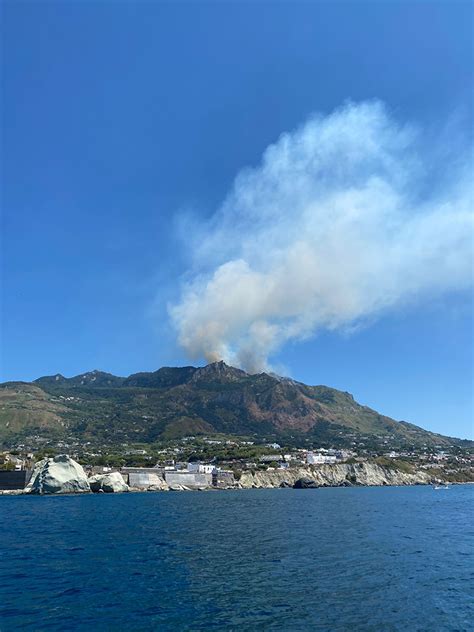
(348,216)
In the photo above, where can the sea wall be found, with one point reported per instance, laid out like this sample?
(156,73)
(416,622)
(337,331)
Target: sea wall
(146,480)
(14,480)
(188,480)
(334,476)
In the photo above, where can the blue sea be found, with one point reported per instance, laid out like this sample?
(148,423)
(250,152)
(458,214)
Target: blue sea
(376,559)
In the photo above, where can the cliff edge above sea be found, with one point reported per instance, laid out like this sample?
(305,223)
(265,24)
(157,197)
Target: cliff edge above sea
(337,475)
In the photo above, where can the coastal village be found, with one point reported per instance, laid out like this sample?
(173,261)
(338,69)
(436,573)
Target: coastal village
(202,463)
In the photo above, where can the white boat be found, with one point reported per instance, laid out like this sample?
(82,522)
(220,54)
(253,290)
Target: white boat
(441,487)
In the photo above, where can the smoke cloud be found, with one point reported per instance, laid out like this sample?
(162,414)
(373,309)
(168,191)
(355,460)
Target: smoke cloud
(349,216)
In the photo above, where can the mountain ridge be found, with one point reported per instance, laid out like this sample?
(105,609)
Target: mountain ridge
(179,401)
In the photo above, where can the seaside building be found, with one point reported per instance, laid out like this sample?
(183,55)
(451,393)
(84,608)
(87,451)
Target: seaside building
(142,477)
(199,476)
(313,458)
(202,468)
(271,458)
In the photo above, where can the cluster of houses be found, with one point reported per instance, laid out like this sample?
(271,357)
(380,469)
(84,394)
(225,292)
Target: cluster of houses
(192,476)
(302,457)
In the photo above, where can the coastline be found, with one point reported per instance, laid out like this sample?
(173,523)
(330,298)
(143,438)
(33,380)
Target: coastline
(21,492)
(337,475)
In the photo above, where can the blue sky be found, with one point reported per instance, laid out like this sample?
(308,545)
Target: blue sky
(120,117)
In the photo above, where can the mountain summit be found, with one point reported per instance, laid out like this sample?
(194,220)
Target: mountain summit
(178,401)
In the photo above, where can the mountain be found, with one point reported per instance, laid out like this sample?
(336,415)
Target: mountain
(178,401)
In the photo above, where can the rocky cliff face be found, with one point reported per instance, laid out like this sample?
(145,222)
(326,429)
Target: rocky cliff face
(334,476)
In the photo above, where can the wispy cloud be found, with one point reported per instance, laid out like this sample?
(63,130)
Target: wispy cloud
(346,217)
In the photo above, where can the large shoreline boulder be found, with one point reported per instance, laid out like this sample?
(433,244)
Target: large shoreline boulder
(109,482)
(58,475)
(305,483)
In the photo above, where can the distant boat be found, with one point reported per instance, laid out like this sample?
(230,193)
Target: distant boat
(440,486)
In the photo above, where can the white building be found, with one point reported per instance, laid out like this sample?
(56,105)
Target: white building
(270,458)
(201,468)
(319,459)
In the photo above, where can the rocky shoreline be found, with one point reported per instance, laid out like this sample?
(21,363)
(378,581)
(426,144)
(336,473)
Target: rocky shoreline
(338,475)
(62,475)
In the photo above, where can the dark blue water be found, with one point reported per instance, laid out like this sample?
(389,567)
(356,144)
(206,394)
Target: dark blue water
(327,559)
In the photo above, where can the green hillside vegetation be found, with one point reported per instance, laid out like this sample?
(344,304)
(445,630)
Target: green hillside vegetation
(176,402)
